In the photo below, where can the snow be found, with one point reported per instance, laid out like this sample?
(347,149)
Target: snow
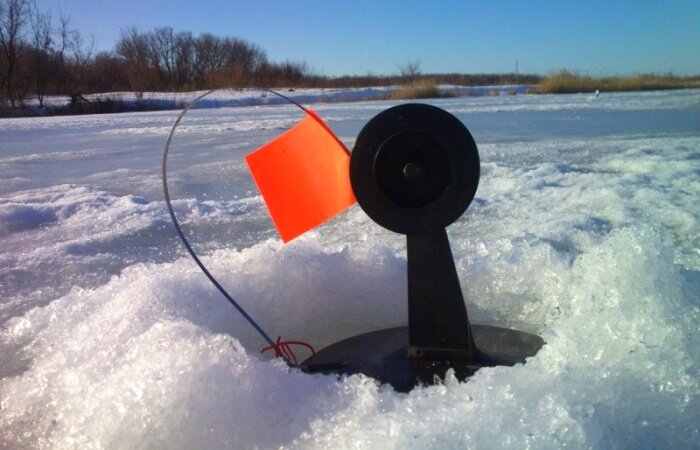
(585,230)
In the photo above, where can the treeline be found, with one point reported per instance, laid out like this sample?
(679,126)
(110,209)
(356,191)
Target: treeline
(163,60)
(41,55)
(457,79)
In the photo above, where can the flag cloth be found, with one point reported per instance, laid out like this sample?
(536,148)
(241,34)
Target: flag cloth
(303,176)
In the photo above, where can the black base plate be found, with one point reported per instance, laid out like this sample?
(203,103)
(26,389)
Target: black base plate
(383,355)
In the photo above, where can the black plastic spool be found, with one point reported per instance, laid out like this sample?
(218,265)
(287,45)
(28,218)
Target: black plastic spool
(414,170)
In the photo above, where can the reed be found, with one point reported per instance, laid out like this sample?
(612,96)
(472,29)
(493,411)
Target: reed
(420,90)
(565,82)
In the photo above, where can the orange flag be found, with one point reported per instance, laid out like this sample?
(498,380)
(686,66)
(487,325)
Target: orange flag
(303,176)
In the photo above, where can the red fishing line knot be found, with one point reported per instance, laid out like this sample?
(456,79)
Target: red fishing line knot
(283,350)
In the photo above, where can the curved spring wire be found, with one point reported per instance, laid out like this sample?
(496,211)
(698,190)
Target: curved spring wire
(290,359)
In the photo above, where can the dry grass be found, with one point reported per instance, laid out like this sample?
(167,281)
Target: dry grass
(416,91)
(567,82)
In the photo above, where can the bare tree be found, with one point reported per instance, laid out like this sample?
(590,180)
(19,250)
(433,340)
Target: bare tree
(72,59)
(81,56)
(209,59)
(63,36)
(184,59)
(162,50)
(42,44)
(133,48)
(13,16)
(105,73)
(240,61)
(410,71)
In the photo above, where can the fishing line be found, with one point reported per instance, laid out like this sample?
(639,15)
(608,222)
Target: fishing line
(281,347)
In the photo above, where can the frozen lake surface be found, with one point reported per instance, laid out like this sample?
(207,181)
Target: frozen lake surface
(585,229)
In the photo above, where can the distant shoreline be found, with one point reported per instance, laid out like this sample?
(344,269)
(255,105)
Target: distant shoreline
(560,83)
(118,102)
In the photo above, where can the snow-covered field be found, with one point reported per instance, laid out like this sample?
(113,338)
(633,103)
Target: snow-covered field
(585,230)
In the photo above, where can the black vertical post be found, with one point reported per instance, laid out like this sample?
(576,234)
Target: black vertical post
(438,324)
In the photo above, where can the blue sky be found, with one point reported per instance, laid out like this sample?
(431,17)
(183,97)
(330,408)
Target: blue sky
(358,37)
